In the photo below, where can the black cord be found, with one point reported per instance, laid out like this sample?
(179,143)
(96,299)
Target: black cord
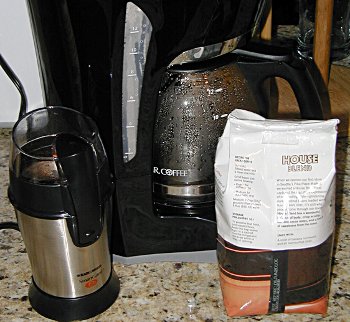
(23,110)
(9,225)
(14,79)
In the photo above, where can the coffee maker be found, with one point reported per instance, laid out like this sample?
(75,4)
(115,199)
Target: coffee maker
(108,59)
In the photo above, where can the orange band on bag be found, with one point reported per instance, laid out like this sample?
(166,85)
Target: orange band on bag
(318,306)
(246,276)
(245,297)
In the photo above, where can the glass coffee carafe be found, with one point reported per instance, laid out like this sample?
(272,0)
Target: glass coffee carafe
(194,101)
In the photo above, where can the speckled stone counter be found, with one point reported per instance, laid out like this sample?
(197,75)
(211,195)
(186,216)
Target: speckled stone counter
(168,291)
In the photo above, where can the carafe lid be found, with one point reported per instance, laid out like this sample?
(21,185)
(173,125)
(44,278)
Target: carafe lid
(206,52)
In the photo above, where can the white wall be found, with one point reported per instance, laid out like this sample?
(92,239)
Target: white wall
(17,47)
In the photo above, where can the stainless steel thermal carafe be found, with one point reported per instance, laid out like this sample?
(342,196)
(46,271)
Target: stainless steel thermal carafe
(61,189)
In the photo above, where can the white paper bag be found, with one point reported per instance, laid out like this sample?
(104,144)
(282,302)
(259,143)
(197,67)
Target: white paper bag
(275,181)
(274,200)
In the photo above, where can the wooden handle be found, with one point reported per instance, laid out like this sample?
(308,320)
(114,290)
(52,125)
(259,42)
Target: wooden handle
(322,37)
(266,31)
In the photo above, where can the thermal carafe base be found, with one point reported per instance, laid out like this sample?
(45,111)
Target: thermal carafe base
(69,309)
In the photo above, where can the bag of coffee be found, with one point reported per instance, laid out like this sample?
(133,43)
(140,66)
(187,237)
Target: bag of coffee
(275,196)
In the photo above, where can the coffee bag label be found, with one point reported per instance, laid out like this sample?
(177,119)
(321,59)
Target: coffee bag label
(275,182)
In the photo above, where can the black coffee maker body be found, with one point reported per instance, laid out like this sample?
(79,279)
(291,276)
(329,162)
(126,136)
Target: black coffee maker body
(109,59)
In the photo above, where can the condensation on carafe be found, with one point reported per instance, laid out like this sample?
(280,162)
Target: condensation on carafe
(193,109)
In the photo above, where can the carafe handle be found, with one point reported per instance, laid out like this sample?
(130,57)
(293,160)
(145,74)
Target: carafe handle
(259,61)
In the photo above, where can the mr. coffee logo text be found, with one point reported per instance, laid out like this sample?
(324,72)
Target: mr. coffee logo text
(170,172)
(302,162)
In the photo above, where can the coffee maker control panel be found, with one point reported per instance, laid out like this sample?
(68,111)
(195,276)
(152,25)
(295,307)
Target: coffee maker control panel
(137,34)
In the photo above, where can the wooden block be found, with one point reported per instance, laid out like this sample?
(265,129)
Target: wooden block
(339,93)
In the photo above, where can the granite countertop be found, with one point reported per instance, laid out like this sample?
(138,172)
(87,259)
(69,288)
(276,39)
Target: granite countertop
(168,291)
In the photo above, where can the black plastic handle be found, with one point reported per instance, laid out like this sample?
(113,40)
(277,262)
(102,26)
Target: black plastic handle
(81,198)
(260,60)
